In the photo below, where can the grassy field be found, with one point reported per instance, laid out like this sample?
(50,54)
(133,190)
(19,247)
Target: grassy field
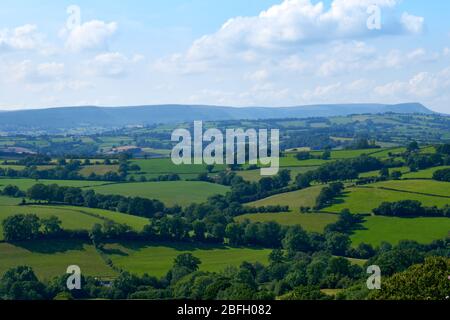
(99,169)
(71,220)
(157,259)
(25,184)
(295,200)
(171,193)
(376,173)
(51,258)
(165,166)
(393,230)
(315,222)
(424,174)
(364,200)
(420,186)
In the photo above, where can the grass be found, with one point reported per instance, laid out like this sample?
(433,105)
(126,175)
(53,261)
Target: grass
(420,186)
(71,220)
(51,258)
(165,166)
(295,200)
(157,259)
(393,230)
(364,200)
(182,193)
(315,222)
(424,174)
(25,184)
(98,169)
(376,173)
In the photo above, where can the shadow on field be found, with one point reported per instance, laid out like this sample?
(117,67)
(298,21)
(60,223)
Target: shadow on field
(52,247)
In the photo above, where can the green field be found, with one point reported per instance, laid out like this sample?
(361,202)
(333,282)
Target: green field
(315,222)
(424,174)
(419,186)
(182,193)
(51,258)
(403,170)
(156,167)
(393,230)
(98,169)
(25,184)
(157,259)
(295,200)
(364,200)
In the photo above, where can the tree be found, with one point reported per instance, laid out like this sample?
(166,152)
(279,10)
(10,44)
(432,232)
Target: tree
(427,281)
(21,227)
(187,260)
(51,225)
(337,243)
(296,240)
(412,147)
(21,283)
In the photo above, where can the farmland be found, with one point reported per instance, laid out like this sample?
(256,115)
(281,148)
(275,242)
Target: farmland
(171,193)
(314,222)
(157,259)
(393,230)
(51,258)
(295,200)
(365,199)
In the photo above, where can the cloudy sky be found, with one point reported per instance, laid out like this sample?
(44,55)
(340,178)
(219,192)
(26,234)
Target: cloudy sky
(233,52)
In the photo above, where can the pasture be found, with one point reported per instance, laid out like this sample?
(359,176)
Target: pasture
(157,259)
(393,230)
(51,258)
(365,199)
(295,200)
(314,222)
(171,193)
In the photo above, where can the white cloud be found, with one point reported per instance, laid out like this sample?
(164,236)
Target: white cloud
(111,64)
(88,36)
(24,37)
(411,23)
(422,85)
(29,72)
(286,27)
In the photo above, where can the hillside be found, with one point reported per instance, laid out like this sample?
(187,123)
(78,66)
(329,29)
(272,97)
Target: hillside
(101,118)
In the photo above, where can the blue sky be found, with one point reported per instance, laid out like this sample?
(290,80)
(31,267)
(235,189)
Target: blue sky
(234,52)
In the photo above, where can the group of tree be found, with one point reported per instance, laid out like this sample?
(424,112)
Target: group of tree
(328,194)
(442,175)
(30,227)
(410,208)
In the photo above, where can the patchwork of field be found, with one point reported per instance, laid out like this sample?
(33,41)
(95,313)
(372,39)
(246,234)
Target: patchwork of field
(365,199)
(173,193)
(295,200)
(393,230)
(157,259)
(314,222)
(51,258)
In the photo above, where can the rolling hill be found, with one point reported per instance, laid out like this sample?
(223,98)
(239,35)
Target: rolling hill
(103,118)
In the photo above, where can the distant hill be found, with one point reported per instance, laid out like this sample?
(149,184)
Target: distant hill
(101,118)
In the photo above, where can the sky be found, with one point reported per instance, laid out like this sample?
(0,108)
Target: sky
(234,52)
